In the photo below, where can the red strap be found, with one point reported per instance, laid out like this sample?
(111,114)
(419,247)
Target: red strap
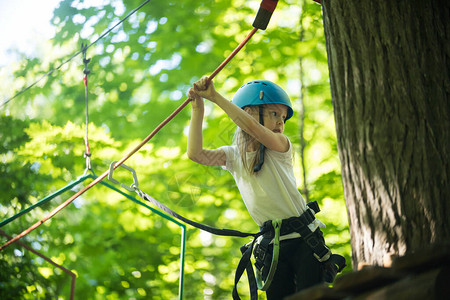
(86,143)
(85,80)
(269,5)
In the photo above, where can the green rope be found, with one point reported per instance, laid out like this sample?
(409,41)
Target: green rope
(46,199)
(92,176)
(167,217)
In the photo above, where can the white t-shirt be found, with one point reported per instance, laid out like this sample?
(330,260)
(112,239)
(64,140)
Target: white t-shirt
(272,192)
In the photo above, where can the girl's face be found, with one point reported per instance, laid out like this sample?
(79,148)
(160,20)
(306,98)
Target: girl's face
(274,117)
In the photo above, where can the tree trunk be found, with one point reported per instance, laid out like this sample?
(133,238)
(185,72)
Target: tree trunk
(389,67)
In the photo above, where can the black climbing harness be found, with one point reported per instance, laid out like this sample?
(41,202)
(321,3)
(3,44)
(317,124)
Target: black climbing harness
(271,231)
(266,261)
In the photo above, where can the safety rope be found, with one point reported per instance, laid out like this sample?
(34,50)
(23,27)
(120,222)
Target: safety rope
(261,20)
(210,229)
(244,263)
(73,55)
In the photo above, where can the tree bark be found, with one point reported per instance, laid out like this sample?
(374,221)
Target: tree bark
(389,67)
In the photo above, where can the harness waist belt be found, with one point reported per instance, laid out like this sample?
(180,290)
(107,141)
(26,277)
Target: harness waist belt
(300,225)
(294,224)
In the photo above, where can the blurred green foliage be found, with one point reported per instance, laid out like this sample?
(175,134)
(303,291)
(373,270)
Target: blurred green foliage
(139,74)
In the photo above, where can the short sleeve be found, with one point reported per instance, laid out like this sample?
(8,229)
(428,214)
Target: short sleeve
(230,157)
(282,157)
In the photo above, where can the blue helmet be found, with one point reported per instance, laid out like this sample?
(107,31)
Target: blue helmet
(259,92)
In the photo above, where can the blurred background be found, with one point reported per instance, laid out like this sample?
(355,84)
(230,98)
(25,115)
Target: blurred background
(139,74)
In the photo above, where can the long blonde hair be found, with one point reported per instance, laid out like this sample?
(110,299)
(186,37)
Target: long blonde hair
(244,141)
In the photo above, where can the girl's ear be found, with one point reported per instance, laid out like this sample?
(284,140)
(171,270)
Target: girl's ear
(252,111)
(249,110)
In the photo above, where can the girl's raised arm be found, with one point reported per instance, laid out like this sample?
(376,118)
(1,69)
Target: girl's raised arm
(195,151)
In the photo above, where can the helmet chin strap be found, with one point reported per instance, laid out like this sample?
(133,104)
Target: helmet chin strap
(262,148)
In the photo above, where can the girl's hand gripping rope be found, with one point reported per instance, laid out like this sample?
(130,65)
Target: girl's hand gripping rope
(205,88)
(196,101)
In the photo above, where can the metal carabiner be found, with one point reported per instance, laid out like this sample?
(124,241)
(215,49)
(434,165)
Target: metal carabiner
(133,187)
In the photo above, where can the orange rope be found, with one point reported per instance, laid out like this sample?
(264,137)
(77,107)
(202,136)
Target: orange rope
(153,133)
(74,277)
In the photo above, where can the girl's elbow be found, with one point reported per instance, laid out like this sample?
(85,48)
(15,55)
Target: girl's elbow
(190,155)
(193,156)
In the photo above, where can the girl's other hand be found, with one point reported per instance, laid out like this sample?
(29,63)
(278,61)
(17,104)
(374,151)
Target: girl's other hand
(197,101)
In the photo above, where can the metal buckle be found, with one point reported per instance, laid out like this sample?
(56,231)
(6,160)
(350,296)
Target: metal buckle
(133,187)
(259,252)
(324,257)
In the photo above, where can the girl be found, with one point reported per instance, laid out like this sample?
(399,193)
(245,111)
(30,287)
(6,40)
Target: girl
(260,161)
